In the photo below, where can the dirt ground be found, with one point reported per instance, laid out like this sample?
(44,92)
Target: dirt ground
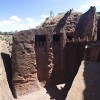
(50,93)
(85,86)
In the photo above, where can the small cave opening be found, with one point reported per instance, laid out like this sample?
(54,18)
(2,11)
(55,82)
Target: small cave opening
(98,30)
(56,39)
(98,58)
(40,40)
(69,37)
(8,68)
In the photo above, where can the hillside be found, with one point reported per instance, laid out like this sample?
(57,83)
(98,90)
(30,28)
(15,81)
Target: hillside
(53,21)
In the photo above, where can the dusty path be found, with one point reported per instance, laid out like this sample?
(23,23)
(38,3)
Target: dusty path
(89,73)
(50,93)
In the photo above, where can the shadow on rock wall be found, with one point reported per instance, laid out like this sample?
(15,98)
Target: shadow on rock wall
(8,68)
(57,94)
(92,81)
(75,55)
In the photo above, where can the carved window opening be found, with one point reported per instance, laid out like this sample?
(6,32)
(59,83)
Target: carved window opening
(69,37)
(56,40)
(40,40)
(98,30)
(98,57)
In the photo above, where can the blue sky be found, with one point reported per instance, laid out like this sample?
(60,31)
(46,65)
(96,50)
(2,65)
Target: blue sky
(25,14)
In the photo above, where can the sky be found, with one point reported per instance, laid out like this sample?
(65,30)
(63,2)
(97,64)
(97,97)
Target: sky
(25,14)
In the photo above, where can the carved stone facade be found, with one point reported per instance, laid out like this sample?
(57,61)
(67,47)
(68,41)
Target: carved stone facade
(87,25)
(92,52)
(51,55)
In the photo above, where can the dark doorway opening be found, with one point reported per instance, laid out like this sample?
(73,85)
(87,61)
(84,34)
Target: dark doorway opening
(98,30)
(40,40)
(98,58)
(69,37)
(56,39)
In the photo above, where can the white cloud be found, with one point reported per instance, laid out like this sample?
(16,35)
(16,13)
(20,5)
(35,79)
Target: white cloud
(15,18)
(43,17)
(89,3)
(30,19)
(10,21)
(15,23)
(32,23)
(6,23)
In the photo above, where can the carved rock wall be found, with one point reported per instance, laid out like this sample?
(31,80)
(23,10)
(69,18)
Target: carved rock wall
(71,24)
(87,24)
(68,23)
(75,24)
(57,63)
(41,60)
(74,56)
(92,52)
(49,39)
(5,91)
(51,64)
(31,65)
(24,64)
(98,29)
(86,83)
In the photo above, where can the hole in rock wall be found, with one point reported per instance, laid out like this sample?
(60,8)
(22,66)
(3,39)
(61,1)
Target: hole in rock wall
(56,40)
(98,29)
(40,40)
(98,57)
(69,37)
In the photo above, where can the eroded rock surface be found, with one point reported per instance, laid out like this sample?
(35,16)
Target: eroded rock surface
(5,91)
(87,25)
(24,64)
(39,56)
(98,29)
(92,52)
(86,85)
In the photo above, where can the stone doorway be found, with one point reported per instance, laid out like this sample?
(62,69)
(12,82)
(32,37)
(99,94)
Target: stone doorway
(41,58)
(98,56)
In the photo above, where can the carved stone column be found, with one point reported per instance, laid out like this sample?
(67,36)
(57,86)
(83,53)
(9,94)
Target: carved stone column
(24,64)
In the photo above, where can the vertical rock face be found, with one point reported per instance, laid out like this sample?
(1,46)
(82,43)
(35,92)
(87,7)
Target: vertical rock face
(62,23)
(42,62)
(5,92)
(68,24)
(92,52)
(50,55)
(24,64)
(98,29)
(74,56)
(38,57)
(56,59)
(87,24)
(86,83)
(75,24)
